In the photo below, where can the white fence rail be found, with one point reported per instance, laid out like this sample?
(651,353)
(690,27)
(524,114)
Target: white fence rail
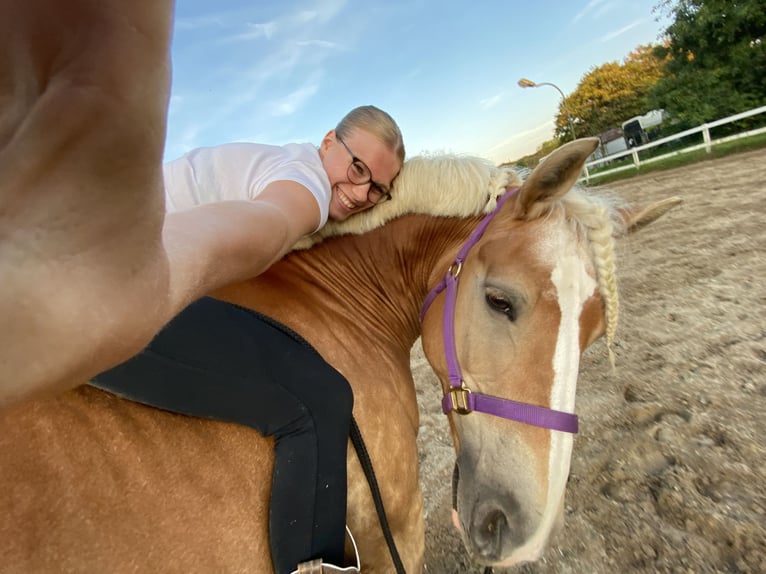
(707,144)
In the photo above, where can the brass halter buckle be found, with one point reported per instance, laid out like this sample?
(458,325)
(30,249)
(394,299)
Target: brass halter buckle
(459,398)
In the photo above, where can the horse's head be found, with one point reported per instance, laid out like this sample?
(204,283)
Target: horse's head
(534,291)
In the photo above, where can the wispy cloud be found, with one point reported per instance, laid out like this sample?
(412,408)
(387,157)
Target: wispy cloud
(621,31)
(590,7)
(543,127)
(413,73)
(292,102)
(318,44)
(200,22)
(176,101)
(185,140)
(324,12)
(255,31)
(491,102)
(514,146)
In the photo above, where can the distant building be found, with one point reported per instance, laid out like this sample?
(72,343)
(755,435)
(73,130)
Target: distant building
(612,141)
(634,129)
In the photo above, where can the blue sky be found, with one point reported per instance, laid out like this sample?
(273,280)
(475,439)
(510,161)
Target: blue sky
(287,70)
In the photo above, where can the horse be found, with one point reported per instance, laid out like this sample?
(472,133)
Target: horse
(91,482)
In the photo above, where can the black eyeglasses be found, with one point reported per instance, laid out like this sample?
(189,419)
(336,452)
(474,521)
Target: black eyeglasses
(359,174)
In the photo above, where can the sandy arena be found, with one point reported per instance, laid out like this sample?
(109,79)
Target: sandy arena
(669,468)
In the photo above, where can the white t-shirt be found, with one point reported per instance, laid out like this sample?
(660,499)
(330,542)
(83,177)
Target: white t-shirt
(242,171)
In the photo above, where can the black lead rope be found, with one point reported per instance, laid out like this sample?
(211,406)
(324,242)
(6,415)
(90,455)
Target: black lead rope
(369,473)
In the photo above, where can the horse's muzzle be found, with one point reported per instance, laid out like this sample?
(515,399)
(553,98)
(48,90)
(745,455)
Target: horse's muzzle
(492,525)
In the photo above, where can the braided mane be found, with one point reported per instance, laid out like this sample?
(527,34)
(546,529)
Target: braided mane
(595,217)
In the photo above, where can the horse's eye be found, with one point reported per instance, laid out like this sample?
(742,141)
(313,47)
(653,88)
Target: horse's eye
(500,302)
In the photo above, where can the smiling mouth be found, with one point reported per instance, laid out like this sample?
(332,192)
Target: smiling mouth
(345,201)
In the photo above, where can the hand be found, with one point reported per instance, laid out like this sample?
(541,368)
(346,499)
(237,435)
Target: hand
(84,88)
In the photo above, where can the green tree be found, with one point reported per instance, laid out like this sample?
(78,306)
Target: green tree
(715,59)
(609,94)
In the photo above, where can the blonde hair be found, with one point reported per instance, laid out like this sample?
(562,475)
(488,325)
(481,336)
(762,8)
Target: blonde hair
(376,122)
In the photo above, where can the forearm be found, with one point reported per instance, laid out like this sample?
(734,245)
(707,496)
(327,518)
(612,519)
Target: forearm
(68,318)
(73,310)
(218,244)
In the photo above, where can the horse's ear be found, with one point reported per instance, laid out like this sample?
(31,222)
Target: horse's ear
(553,177)
(638,217)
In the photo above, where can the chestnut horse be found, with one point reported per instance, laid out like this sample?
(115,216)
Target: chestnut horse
(94,483)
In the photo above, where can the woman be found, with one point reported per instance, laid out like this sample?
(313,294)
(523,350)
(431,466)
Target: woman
(213,350)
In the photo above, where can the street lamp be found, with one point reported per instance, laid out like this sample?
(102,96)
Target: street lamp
(525,83)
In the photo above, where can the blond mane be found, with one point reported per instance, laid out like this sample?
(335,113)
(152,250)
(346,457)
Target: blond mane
(440,185)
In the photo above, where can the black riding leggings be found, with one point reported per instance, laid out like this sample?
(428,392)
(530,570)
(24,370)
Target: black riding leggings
(220,361)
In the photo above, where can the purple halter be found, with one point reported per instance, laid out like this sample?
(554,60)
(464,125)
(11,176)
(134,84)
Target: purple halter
(460,398)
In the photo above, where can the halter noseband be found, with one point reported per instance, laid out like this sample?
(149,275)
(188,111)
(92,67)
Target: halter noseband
(460,398)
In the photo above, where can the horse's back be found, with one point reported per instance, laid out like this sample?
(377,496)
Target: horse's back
(95,483)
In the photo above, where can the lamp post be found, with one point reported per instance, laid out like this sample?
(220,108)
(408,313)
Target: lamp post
(525,83)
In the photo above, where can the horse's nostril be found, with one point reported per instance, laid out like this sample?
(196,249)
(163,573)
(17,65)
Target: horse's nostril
(490,533)
(494,525)
(498,528)
(455,481)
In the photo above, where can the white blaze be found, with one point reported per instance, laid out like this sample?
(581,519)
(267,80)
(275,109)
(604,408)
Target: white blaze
(574,286)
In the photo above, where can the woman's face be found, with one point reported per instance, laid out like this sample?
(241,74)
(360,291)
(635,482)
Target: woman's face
(358,157)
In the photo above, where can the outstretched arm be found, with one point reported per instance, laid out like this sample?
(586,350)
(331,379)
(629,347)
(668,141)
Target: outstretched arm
(216,244)
(90,267)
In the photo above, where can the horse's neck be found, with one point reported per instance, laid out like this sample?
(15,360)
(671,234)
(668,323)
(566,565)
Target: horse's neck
(368,288)
(385,275)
